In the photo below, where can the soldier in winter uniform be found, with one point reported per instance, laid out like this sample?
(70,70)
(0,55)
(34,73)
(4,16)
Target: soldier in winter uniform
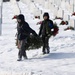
(24,31)
(45,32)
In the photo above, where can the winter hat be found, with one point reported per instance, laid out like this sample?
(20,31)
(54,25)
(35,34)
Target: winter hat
(46,14)
(21,17)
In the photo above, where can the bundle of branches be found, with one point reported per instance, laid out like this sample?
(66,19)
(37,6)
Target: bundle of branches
(32,42)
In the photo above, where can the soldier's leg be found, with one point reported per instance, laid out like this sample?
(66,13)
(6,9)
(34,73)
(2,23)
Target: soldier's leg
(23,49)
(44,45)
(19,53)
(47,44)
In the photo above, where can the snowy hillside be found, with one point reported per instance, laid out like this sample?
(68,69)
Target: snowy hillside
(60,61)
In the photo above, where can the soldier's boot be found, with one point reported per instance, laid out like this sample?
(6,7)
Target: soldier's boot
(20,59)
(48,50)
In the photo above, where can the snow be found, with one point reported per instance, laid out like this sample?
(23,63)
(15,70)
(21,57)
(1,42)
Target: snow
(61,60)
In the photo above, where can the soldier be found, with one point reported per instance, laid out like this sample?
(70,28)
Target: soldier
(24,31)
(45,32)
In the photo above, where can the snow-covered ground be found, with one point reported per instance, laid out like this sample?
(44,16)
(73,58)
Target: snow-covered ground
(61,60)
